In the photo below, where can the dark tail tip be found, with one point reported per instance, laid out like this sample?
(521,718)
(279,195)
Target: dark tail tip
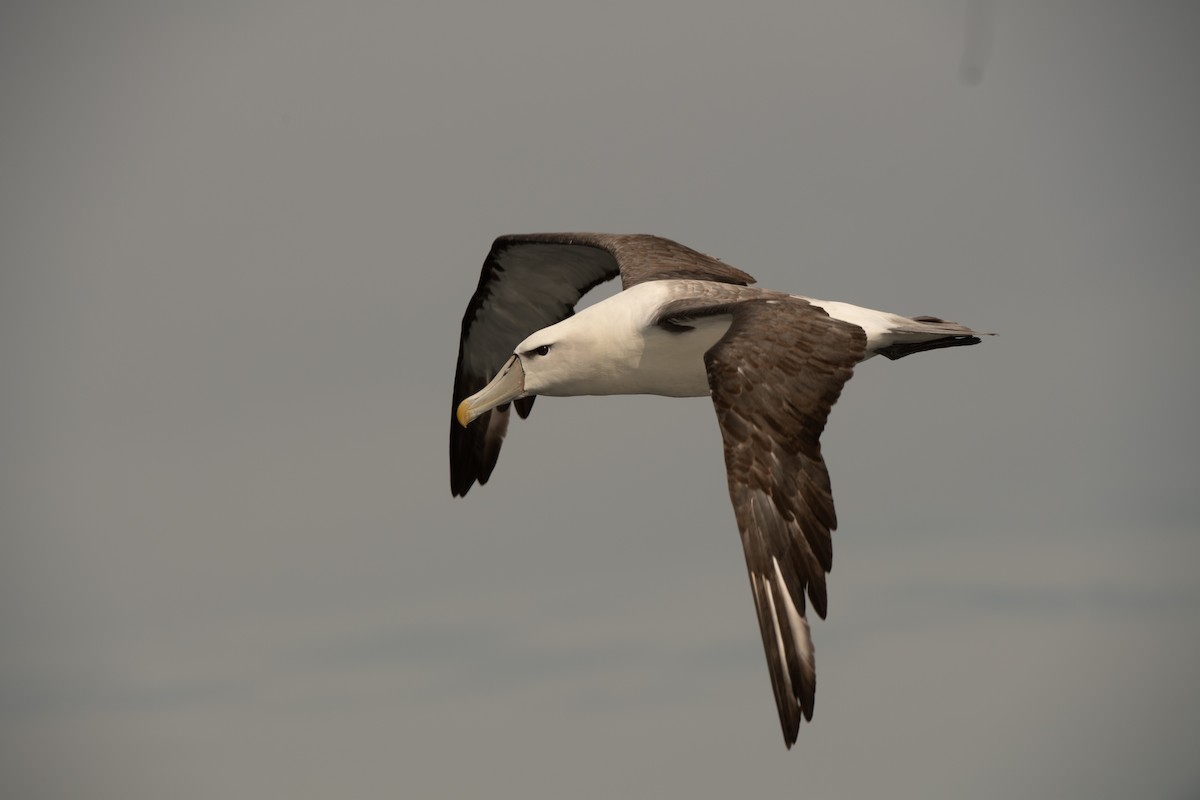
(900,350)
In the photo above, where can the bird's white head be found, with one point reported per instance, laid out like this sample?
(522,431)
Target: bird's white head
(592,352)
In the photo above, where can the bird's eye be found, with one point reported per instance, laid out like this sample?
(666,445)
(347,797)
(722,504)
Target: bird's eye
(541,351)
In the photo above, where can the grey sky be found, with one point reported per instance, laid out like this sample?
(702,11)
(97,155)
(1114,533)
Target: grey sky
(237,241)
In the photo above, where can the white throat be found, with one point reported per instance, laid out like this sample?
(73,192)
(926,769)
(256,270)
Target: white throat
(615,347)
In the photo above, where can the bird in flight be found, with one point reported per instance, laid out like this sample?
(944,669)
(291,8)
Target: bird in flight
(687,325)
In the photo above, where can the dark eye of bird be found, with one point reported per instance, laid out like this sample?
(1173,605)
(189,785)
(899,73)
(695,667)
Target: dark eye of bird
(541,351)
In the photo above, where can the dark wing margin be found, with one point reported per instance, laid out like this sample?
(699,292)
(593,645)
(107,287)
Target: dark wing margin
(530,281)
(774,376)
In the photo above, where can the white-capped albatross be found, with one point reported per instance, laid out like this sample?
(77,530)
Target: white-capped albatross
(686,325)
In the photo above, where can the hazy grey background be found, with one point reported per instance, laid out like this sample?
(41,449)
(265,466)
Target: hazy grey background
(237,240)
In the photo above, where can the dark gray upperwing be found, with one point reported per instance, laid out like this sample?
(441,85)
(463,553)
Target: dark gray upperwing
(530,281)
(774,376)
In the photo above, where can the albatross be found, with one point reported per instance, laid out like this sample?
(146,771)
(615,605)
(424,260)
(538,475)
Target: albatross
(686,325)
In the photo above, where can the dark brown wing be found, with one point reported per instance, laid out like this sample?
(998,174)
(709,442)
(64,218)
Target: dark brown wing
(530,281)
(774,376)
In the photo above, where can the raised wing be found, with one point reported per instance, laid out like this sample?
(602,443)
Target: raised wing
(530,281)
(774,376)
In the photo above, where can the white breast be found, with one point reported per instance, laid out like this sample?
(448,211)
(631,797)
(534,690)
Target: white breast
(673,363)
(623,350)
